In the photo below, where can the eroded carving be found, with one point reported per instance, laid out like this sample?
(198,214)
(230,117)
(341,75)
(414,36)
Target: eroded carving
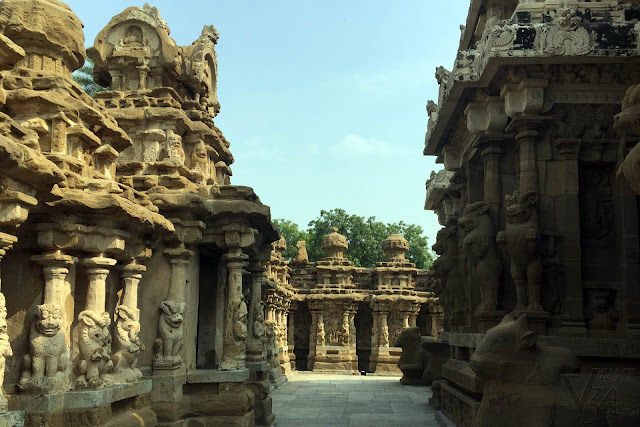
(44,366)
(94,342)
(479,246)
(520,240)
(127,344)
(168,346)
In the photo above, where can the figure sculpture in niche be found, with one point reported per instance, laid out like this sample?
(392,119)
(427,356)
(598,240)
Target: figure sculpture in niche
(47,354)
(200,158)
(128,343)
(414,357)
(133,37)
(601,314)
(258,321)
(167,347)
(94,342)
(520,240)
(173,151)
(479,246)
(522,384)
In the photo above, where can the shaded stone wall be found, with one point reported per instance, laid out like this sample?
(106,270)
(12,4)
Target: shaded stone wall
(536,220)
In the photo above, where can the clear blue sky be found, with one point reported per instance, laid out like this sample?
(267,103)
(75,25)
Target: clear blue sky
(323,101)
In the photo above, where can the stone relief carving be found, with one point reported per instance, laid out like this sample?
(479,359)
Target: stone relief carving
(43,367)
(301,258)
(240,320)
(168,346)
(320,340)
(597,222)
(478,246)
(553,276)
(521,242)
(446,270)
(600,309)
(565,37)
(127,344)
(521,378)
(94,342)
(384,336)
(258,321)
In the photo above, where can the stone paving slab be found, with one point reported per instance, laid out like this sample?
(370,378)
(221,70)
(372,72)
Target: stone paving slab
(309,400)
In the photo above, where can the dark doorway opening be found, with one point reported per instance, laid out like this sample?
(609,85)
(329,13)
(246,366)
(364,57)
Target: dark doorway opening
(301,332)
(364,323)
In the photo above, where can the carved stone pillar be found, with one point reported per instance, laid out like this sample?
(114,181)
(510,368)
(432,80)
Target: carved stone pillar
(170,341)
(291,335)
(94,337)
(492,182)
(526,138)
(568,224)
(384,329)
(127,326)
(255,318)
(6,241)
(313,339)
(235,328)
(46,371)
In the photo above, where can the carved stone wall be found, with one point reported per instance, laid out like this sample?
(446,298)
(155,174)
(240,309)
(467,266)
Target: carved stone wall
(533,124)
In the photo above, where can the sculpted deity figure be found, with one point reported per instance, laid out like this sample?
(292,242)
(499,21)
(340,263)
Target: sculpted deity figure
(384,337)
(47,353)
(168,346)
(94,342)
(174,151)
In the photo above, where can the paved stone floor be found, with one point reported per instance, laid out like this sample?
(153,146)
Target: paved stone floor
(310,400)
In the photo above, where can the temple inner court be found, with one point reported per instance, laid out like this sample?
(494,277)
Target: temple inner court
(155,265)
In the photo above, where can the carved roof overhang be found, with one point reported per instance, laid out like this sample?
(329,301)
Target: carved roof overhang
(437,186)
(579,35)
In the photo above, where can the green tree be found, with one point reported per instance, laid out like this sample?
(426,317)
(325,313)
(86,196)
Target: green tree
(365,237)
(292,234)
(84,77)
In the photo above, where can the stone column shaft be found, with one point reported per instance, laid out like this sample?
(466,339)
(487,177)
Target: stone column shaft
(569,226)
(528,169)
(492,182)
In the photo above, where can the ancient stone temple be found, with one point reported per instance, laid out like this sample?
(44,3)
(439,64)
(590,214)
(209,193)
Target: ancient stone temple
(346,319)
(133,272)
(539,252)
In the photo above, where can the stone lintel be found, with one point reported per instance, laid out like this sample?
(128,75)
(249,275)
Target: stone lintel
(205,376)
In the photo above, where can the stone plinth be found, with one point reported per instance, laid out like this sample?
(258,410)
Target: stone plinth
(336,359)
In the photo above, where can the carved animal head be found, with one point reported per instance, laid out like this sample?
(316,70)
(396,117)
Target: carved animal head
(129,322)
(442,75)
(520,207)
(409,339)
(599,303)
(173,312)
(506,350)
(48,319)
(474,216)
(97,327)
(444,238)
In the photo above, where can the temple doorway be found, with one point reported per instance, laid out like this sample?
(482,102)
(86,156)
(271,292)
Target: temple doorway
(301,333)
(364,324)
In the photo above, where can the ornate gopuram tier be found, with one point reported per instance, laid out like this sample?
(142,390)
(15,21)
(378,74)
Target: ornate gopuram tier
(133,273)
(536,126)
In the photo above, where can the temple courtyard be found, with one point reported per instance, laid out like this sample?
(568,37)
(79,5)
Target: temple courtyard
(312,399)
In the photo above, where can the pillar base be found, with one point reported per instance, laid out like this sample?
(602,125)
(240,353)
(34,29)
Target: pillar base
(488,319)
